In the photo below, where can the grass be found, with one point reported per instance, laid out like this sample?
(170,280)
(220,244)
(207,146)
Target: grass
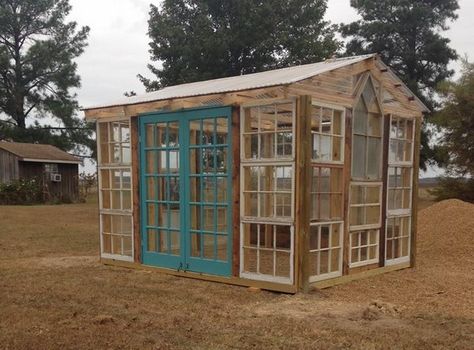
(54,294)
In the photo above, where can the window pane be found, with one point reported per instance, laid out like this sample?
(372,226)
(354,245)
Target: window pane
(359,157)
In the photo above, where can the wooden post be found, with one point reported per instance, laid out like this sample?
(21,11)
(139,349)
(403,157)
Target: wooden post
(347,186)
(385,149)
(135,149)
(236,190)
(414,209)
(302,195)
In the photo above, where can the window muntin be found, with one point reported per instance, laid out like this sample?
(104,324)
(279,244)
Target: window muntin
(365,205)
(115,197)
(398,238)
(267,250)
(327,132)
(268,132)
(364,247)
(326,194)
(325,250)
(401,141)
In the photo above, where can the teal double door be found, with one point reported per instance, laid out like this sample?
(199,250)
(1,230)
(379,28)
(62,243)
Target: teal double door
(185,190)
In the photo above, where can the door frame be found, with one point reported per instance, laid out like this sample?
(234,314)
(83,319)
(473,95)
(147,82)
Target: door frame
(185,261)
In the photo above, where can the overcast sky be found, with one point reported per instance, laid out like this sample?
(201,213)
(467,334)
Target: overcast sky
(118,43)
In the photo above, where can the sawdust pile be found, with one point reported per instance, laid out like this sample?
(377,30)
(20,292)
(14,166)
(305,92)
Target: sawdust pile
(446,231)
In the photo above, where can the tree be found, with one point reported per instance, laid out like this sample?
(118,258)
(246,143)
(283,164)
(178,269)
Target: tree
(456,123)
(406,33)
(37,70)
(206,39)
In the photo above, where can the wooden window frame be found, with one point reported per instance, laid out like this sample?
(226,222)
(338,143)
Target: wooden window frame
(405,140)
(365,226)
(327,166)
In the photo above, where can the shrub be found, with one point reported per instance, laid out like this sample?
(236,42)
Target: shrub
(23,191)
(454,187)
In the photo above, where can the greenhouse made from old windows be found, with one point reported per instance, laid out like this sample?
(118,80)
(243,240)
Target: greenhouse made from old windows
(284,180)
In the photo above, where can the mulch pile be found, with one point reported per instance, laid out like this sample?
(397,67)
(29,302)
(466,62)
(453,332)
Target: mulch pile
(446,232)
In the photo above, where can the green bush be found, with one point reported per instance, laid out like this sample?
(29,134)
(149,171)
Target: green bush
(454,187)
(23,191)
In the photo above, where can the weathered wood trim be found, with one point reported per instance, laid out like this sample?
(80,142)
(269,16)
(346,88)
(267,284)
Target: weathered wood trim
(358,276)
(236,190)
(283,288)
(135,149)
(302,195)
(414,209)
(347,183)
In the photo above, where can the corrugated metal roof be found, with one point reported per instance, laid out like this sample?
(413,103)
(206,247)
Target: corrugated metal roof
(33,151)
(239,83)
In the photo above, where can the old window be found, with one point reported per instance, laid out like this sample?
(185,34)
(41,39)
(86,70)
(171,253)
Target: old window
(364,247)
(327,130)
(398,238)
(399,190)
(367,137)
(326,194)
(267,188)
(115,199)
(325,250)
(365,205)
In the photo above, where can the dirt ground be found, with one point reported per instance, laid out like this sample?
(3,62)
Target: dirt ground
(55,295)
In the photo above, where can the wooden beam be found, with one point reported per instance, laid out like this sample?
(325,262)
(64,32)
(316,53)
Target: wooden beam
(347,175)
(414,213)
(135,149)
(276,287)
(358,276)
(302,195)
(235,190)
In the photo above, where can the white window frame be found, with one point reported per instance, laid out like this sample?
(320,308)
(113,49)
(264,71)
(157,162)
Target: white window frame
(256,162)
(264,277)
(342,136)
(113,166)
(334,274)
(369,226)
(400,212)
(376,245)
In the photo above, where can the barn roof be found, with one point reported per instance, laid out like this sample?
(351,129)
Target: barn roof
(34,152)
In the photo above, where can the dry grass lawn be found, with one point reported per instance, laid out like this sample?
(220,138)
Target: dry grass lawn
(55,295)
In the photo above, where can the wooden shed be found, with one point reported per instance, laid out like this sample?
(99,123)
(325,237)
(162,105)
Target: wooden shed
(56,170)
(284,180)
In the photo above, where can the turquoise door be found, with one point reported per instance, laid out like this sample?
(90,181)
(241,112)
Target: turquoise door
(185,190)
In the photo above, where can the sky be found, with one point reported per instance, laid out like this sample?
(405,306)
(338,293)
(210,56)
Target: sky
(118,44)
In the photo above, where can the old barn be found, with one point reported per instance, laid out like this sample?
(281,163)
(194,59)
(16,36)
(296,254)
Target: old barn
(56,170)
(285,180)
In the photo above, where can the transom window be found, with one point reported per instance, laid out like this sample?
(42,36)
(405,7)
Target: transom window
(327,130)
